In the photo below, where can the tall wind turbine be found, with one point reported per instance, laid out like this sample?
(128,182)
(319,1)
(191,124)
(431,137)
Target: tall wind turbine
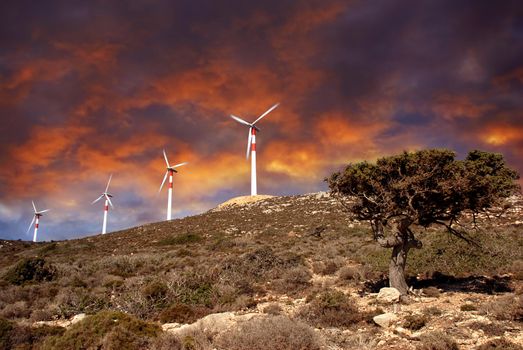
(171,169)
(36,220)
(251,145)
(107,197)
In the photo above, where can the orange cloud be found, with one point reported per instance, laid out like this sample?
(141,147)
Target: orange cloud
(498,135)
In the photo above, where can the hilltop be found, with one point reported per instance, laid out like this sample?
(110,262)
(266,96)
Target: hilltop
(294,265)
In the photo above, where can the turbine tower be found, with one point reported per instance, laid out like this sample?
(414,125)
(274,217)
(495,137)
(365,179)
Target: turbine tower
(36,220)
(170,172)
(251,145)
(107,197)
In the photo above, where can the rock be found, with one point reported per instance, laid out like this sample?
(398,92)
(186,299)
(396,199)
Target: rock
(211,324)
(168,327)
(388,296)
(77,318)
(385,320)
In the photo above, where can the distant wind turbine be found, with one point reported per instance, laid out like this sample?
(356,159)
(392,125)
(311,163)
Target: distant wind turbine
(251,145)
(170,172)
(36,220)
(107,197)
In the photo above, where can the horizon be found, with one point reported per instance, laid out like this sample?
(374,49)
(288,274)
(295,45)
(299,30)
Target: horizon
(88,90)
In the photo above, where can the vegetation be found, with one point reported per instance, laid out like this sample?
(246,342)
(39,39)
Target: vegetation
(421,189)
(107,330)
(30,270)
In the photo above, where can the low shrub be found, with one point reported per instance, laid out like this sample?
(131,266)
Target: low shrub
(30,270)
(505,308)
(272,332)
(500,344)
(431,292)
(272,309)
(468,307)
(437,341)
(516,269)
(14,336)
(106,330)
(351,273)
(490,329)
(183,313)
(184,238)
(331,309)
(432,311)
(415,322)
(293,280)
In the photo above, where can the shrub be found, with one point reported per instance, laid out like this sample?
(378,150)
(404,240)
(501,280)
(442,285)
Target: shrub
(505,308)
(272,332)
(13,336)
(30,269)
(415,322)
(331,309)
(107,330)
(432,311)
(517,269)
(184,238)
(490,329)
(437,341)
(155,291)
(500,343)
(293,280)
(351,273)
(432,292)
(468,307)
(183,313)
(272,309)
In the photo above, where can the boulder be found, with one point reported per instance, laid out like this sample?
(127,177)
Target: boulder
(77,318)
(388,296)
(385,320)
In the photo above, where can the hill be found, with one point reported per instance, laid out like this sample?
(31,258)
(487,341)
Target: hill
(280,272)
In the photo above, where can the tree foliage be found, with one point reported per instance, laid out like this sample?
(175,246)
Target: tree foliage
(427,187)
(421,188)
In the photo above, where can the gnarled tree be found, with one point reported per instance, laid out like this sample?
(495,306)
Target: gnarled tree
(420,189)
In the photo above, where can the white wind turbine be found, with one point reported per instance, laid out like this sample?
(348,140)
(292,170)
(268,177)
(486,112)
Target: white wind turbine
(251,145)
(170,172)
(36,220)
(107,197)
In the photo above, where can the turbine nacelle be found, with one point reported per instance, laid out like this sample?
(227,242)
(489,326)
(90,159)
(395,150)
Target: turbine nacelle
(169,168)
(252,126)
(37,215)
(105,194)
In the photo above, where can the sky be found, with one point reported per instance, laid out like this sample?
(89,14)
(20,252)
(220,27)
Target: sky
(97,87)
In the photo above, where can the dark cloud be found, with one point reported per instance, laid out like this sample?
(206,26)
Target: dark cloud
(89,88)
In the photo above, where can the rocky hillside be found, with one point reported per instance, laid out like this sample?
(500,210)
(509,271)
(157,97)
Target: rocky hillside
(276,273)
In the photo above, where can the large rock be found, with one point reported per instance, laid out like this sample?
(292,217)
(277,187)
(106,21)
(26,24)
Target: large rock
(388,296)
(211,324)
(385,320)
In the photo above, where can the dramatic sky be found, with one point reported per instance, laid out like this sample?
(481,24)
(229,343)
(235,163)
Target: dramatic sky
(90,88)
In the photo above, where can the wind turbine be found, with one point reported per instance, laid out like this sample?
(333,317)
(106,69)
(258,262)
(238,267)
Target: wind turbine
(107,197)
(170,172)
(251,145)
(36,220)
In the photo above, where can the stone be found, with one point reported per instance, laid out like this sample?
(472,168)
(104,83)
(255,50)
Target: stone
(388,296)
(77,318)
(385,320)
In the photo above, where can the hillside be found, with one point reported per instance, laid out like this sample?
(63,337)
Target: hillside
(295,265)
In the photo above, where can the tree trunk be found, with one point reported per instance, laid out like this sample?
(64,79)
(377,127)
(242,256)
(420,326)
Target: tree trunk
(397,268)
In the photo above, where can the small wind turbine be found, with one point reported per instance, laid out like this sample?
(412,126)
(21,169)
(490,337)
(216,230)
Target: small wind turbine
(107,197)
(251,145)
(170,172)
(36,220)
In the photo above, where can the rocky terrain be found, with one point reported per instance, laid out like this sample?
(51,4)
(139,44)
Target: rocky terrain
(275,273)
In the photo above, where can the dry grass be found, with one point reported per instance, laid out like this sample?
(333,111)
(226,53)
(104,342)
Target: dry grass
(272,332)
(331,308)
(437,341)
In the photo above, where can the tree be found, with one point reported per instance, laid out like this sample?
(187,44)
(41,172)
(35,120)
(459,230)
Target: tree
(420,189)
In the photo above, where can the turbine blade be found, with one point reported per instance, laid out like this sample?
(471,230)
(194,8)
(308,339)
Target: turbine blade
(109,200)
(31,224)
(44,211)
(249,140)
(34,207)
(239,120)
(164,178)
(264,114)
(165,156)
(181,164)
(97,199)
(108,182)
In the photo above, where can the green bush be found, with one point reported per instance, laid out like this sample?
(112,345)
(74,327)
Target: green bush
(106,330)
(184,238)
(30,269)
(331,309)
